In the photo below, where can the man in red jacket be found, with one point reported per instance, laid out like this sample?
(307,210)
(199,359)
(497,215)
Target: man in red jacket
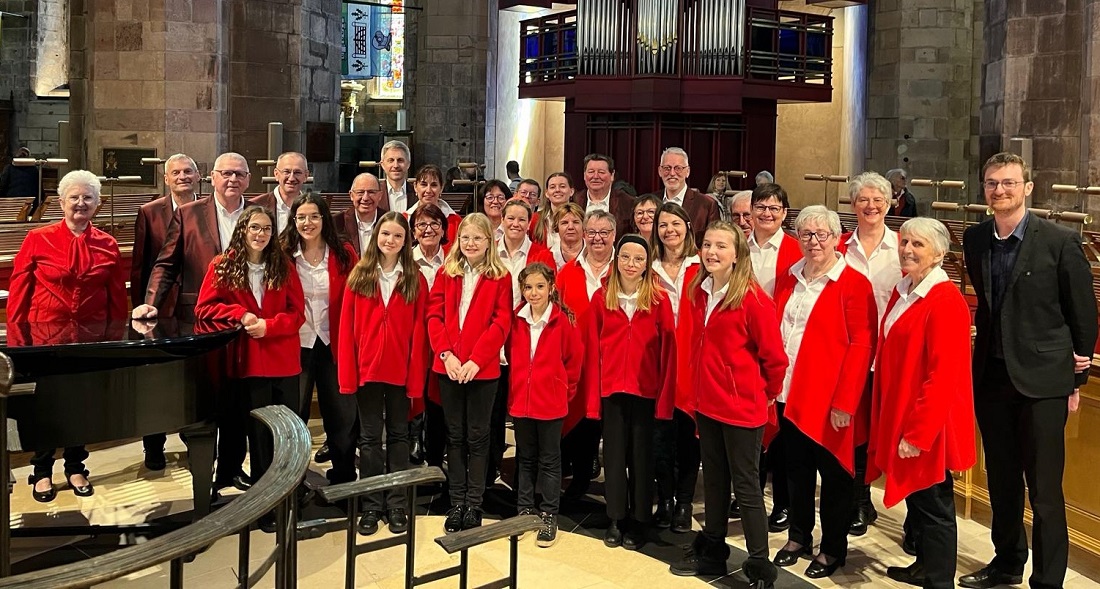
(674,170)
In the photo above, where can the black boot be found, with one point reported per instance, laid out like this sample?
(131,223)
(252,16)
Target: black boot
(703,557)
(760,572)
(663,517)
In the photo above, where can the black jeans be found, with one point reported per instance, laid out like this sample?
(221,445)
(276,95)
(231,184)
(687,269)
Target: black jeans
(538,458)
(732,454)
(774,460)
(932,512)
(383,405)
(805,459)
(498,426)
(43,460)
(579,449)
(232,419)
(628,422)
(435,433)
(676,451)
(467,409)
(339,413)
(261,392)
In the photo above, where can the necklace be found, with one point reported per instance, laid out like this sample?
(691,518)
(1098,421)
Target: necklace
(315,257)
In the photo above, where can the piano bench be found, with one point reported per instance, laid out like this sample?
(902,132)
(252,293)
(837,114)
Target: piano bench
(463,541)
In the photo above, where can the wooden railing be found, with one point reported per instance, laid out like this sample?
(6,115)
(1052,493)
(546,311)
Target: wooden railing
(786,46)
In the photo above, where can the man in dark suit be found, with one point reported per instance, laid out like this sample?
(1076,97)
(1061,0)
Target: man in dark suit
(599,176)
(906,203)
(291,171)
(180,176)
(674,170)
(395,161)
(1036,329)
(357,222)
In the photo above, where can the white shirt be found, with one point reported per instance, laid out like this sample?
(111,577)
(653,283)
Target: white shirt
(428,266)
(175,206)
(552,238)
(797,313)
(559,257)
(598,205)
(316,288)
(629,304)
(399,201)
(469,283)
(537,324)
(282,212)
(227,220)
(256,282)
(593,282)
(906,298)
(714,298)
(443,206)
(387,281)
(674,285)
(515,262)
(366,229)
(883,268)
(765,258)
(677,198)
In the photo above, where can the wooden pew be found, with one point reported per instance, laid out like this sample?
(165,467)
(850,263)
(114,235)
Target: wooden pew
(15,210)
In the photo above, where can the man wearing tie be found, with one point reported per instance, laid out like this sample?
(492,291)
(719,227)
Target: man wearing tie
(1036,329)
(674,170)
(291,171)
(395,162)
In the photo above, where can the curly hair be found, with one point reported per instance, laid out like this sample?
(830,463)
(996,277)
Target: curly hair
(231,271)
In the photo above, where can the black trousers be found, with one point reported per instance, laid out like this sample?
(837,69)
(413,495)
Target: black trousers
(383,405)
(339,413)
(931,512)
(732,454)
(628,422)
(861,495)
(232,420)
(43,460)
(261,392)
(467,409)
(774,461)
(435,433)
(676,452)
(579,449)
(498,427)
(154,442)
(1024,440)
(805,459)
(538,460)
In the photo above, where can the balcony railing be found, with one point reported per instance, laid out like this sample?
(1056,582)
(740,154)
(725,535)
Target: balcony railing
(789,46)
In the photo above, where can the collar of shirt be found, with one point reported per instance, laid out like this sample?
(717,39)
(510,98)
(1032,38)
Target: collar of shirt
(224,211)
(592,198)
(889,242)
(583,261)
(468,270)
(833,273)
(773,242)
(1018,232)
(526,313)
(363,225)
(392,274)
(670,282)
(934,277)
(677,198)
(443,206)
(175,206)
(434,261)
(524,248)
(324,256)
(708,287)
(395,191)
(631,298)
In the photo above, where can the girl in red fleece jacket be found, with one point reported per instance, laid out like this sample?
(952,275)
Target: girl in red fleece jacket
(382,358)
(544,351)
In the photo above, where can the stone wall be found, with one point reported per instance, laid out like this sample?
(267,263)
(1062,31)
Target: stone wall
(25,59)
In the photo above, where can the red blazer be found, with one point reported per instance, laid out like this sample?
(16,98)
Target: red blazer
(634,356)
(189,245)
(702,210)
(923,393)
(347,226)
(265,200)
(619,204)
(541,387)
(571,284)
(790,252)
(487,322)
(685,389)
(384,343)
(833,362)
(337,281)
(278,353)
(58,276)
(150,229)
(738,363)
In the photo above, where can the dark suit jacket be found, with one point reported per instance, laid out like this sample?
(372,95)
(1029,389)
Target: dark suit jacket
(619,203)
(908,208)
(384,203)
(702,210)
(347,226)
(1048,312)
(191,242)
(150,229)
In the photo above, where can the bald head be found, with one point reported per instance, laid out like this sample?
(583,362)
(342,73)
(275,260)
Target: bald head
(365,194)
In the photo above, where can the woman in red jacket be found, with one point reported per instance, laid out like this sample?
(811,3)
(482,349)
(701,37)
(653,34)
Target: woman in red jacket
(383,359)
(922,409)
(428,186)
(773,251)
(469,317)
(674,442)
(323,261)
(737,372)
(544,350)
(254,283)
(828,314)
(629,379)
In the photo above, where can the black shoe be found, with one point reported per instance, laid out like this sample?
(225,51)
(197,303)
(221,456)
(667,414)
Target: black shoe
(368,524)
(818,570)
(154,459)
(267,523)
(865,516)
(398,519)
(472,518)
(82,490)
(663,517)
(786,558)
(455,515)
(735,509)
(42,496)
(634,537)
(909,545)
(694,564)
(240,481)
(596,465)
(323,454)
(989,577)
(548,533)
(779,520)
(681,519)
(613,537)
(910,575)
(577,489)
(760,573)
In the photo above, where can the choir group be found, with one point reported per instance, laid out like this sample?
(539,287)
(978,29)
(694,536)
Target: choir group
(679,338)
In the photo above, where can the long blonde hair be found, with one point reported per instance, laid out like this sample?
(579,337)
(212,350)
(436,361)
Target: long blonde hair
(364,275)
(648,291)
(742,279)
(491,266)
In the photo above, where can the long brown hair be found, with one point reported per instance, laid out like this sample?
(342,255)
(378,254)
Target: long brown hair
(231,270)
(364,276)
(291,240)
(688,248)
(742,280)
(648,291)
(548,273)
(546,220)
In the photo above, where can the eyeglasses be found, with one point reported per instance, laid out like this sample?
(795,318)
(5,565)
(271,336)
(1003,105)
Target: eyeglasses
(232,173)
(474,239)
(310,218)
(741,215)
(527,193)
(677,169)
(878,202)
(773,209)
(258,229)
(80,198)
(362,193)
(807,236)
(294,173)
(642,213)
(1009,184)
(626,259)
(433,225)
(495,197)
(604,234)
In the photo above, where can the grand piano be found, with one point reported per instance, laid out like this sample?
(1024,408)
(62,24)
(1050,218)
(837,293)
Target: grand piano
(107,381)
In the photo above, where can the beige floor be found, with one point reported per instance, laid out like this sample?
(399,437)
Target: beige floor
(125,493)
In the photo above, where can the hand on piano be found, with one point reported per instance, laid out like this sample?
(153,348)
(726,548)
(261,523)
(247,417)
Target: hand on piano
(144,327)
(144,312)
(253,325)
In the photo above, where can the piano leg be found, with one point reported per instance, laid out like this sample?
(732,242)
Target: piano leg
(201,442)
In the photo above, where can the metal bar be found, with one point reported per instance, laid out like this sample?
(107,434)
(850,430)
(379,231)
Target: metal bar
(352,552)
(242,556)
(464,570)
(175,574)
(513,562)
(281,531)
(410,538)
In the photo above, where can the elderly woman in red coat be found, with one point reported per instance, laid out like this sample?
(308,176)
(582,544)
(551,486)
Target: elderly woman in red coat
(922,416)
(68,272)
(827,315)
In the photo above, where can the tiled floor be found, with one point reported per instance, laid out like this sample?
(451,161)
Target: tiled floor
(126,493)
